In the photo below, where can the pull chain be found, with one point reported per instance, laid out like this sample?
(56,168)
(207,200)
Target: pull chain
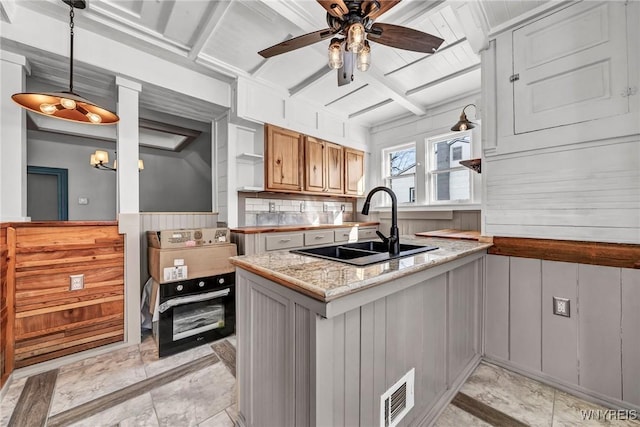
(71,54)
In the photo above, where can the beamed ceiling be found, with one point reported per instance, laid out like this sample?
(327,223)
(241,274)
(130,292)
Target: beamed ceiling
(222,38)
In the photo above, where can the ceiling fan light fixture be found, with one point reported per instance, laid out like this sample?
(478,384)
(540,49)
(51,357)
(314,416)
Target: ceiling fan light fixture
(364,57)
(336,57)
(66,105)
(355,37)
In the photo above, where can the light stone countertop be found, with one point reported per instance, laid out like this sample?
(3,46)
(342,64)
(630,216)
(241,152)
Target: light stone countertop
(327,280)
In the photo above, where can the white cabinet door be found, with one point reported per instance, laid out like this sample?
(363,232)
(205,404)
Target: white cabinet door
(571,67)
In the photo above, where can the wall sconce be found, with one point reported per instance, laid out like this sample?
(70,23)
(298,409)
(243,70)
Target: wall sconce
(464,123)
(100,160)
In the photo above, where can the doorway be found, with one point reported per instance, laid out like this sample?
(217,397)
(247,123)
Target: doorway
(47,193)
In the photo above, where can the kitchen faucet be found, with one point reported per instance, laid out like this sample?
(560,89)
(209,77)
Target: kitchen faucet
(393,241)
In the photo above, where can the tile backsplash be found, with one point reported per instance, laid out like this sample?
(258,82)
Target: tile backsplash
(266,211)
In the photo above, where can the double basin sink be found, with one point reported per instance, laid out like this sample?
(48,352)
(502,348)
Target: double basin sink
(362,253)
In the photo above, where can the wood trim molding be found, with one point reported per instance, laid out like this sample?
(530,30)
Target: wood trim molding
(595,253)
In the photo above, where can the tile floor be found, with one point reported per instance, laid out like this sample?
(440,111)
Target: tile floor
(206,395)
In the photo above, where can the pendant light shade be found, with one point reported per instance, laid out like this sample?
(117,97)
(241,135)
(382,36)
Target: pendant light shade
(464,123)
(67,105)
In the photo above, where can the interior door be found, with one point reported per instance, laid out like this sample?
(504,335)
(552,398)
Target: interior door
(47,190)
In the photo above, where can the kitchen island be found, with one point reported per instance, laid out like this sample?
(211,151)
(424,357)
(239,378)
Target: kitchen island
(319,341)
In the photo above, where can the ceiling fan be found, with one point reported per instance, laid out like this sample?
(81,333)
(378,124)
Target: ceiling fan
(353,24)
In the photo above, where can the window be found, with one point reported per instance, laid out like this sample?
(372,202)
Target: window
(429,172)
(450,181)
(399,170)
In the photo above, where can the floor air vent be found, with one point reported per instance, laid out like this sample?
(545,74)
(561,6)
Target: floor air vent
(397,401)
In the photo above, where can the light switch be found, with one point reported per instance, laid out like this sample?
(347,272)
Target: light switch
(83,200)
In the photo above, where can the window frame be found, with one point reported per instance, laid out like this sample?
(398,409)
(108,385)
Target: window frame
(386,172)
(424,177)
(431,172)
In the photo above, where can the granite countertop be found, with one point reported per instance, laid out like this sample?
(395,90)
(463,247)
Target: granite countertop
(327,280)
(298,227)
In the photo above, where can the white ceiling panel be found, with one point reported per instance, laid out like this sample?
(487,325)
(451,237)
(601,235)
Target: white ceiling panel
(498,12)
(326,90)
(247,28)
(449,89)
(186,20)
(381,114)
(359,100)
(290,69)
(435,67)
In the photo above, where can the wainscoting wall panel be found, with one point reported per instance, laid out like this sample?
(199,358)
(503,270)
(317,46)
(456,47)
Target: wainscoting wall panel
(496,310)
(631,335)
(599,318)
(595,351)
(560,279)
(526,311)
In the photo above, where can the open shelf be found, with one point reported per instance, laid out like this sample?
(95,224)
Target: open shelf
(250,157)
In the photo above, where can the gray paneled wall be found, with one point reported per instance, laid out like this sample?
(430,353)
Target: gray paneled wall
(595,351)
(411,222)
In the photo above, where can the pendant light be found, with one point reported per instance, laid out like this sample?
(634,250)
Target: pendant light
(67,105)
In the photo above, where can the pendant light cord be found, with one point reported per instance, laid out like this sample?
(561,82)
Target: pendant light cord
(71,54)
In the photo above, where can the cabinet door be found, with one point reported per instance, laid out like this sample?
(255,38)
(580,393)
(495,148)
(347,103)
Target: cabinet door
(315,165)
(334,182)
(354,172)
(570,67)
(283,159)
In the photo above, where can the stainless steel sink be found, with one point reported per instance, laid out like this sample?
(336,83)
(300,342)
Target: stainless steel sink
(362,253)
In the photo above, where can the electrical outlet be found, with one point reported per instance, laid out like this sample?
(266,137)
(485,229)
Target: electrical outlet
(76,282)
(272,207)
(342,208)
(561,307)
(301,206)
(83,200)
(325,207)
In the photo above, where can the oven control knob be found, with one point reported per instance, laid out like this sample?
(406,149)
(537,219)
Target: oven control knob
(179,288)
(201,284)
(221,280)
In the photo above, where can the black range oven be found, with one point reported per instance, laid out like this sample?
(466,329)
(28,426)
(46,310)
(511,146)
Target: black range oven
(195,311)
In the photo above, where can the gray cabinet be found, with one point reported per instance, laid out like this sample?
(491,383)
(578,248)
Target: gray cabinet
(249,244)
(302,362)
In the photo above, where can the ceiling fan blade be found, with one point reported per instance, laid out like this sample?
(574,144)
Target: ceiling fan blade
(297,43)
(373,12)
(336,8)
(345,73)
(404,38)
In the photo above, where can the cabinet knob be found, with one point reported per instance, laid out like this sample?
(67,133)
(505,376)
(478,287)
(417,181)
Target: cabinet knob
(278,161)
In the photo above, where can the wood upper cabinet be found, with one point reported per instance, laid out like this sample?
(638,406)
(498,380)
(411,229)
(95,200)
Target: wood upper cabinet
(353,172)
(323,166)
(283,159)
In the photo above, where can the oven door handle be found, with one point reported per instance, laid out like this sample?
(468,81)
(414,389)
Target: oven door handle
(192,298)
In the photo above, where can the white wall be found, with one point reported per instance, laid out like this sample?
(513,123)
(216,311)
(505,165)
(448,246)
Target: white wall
(577,180)
(436,122)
